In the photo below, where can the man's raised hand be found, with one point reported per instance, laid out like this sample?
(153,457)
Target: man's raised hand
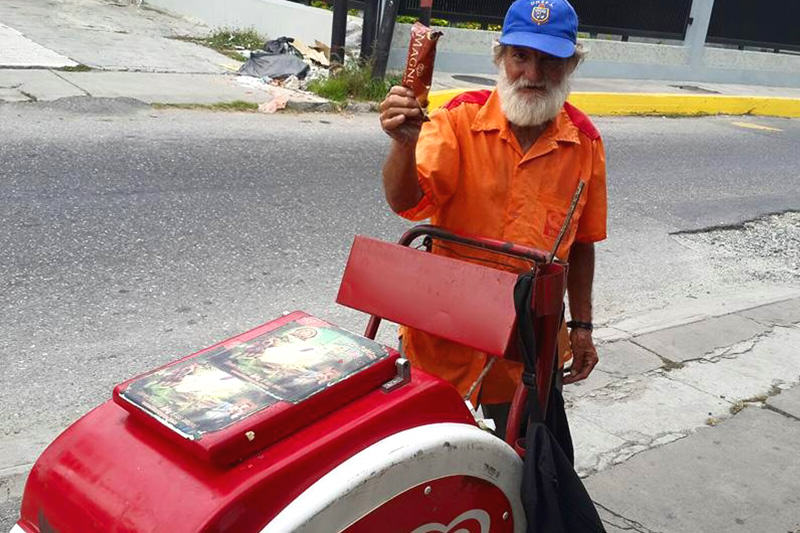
(401,116)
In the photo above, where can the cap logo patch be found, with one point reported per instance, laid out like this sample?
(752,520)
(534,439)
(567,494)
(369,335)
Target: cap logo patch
(540,13)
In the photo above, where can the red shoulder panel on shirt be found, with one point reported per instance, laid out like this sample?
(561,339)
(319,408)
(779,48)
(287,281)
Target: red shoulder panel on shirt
(469,97)
(581,121)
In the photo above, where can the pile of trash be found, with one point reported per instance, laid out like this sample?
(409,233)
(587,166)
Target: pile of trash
(288,62)
(286,65)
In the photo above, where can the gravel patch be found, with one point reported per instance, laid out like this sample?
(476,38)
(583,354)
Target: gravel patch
(765,249)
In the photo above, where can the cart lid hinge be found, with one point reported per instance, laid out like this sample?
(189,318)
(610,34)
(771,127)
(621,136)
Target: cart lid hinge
(402,377)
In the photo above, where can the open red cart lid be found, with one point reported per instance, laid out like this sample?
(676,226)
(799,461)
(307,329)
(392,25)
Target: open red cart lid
(241,395)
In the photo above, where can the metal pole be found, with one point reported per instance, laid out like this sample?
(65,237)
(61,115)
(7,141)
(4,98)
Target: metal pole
(338,31)
(425,7)
(385,38)
(369,29)
(695,40)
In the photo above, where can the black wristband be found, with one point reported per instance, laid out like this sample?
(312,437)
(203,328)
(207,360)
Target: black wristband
(573,324)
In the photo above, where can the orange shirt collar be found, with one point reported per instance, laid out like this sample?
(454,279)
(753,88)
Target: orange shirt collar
(491,118)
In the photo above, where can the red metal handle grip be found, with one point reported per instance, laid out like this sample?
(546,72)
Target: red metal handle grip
(482,243)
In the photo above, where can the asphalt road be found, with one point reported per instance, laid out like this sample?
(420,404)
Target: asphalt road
(130,237)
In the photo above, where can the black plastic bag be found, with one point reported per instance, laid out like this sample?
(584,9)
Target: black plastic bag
(553,495)
(278,60)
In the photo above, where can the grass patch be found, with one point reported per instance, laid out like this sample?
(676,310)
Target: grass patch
(77,68)
(328,4)
(353,82)
(236,105)
(408,19)
(228,42)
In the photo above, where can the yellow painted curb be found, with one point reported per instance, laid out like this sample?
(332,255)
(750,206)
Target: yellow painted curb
(437,99)
(594,103)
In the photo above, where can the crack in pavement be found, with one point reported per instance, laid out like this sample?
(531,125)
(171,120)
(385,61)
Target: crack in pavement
(71,83)
(631,448)
(739,348)
(720,351)
(630,525)
(29,96)
(780,412)
(669,364)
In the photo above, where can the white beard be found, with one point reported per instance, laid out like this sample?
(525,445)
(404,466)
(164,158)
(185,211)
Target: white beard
(530,110)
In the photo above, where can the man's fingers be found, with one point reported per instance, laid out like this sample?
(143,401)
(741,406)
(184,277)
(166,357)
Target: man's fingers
(393,118)
(399,90)
(582,366)
(407,111)
(393,122)
(399,104)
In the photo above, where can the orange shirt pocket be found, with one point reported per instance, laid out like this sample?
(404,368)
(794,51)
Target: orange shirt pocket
(555,212)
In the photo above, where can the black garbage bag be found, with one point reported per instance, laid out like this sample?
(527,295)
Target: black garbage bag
(553,495)
(278,60)
(281,45)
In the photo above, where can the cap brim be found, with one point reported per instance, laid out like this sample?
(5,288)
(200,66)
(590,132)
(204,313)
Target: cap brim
(549,44)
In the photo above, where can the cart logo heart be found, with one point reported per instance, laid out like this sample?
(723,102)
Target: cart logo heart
(472,521)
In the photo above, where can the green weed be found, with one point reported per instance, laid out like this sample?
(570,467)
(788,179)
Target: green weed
(228,42)
(354,82)
(236,105)
(77,68)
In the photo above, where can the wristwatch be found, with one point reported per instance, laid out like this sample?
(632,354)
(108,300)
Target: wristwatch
(573,324)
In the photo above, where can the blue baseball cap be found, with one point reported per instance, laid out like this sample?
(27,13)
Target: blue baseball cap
(550,26)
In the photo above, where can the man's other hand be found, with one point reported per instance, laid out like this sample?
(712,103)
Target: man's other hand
(401,116)
(584,355)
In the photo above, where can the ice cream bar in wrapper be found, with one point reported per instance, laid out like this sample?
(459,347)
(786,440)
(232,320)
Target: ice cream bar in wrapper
(419,65)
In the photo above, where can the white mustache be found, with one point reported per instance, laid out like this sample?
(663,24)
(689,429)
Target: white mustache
(521,84)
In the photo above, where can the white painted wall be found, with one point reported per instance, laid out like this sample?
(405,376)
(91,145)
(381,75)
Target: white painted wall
(274,18)
(469,51)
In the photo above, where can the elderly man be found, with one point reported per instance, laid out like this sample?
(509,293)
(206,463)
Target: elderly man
(505,164)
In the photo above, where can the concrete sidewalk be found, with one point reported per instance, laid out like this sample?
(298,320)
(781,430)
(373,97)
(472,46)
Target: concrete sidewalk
(48,85)
(694,426)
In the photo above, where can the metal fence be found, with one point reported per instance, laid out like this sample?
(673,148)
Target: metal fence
(765,23)
(482,11)
(762,23)
(643,18)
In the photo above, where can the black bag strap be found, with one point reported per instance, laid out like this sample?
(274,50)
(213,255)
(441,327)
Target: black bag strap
(524,291)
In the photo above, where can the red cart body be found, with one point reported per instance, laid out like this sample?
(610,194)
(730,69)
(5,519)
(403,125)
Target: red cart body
(380,450)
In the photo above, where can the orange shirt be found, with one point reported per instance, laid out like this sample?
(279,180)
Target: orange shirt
(476,180)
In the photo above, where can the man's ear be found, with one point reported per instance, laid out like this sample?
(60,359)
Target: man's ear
(572,64)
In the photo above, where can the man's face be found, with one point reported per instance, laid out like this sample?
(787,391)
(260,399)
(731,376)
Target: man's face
(536,71)
(532,85)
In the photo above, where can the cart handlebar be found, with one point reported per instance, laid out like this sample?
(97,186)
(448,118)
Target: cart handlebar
(482,243)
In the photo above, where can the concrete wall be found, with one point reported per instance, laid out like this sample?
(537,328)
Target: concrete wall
(469,51)
(274,18)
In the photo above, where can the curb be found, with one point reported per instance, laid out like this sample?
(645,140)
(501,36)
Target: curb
(648,104)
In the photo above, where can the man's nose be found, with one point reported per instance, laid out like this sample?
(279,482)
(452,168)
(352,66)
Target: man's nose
(532,70)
